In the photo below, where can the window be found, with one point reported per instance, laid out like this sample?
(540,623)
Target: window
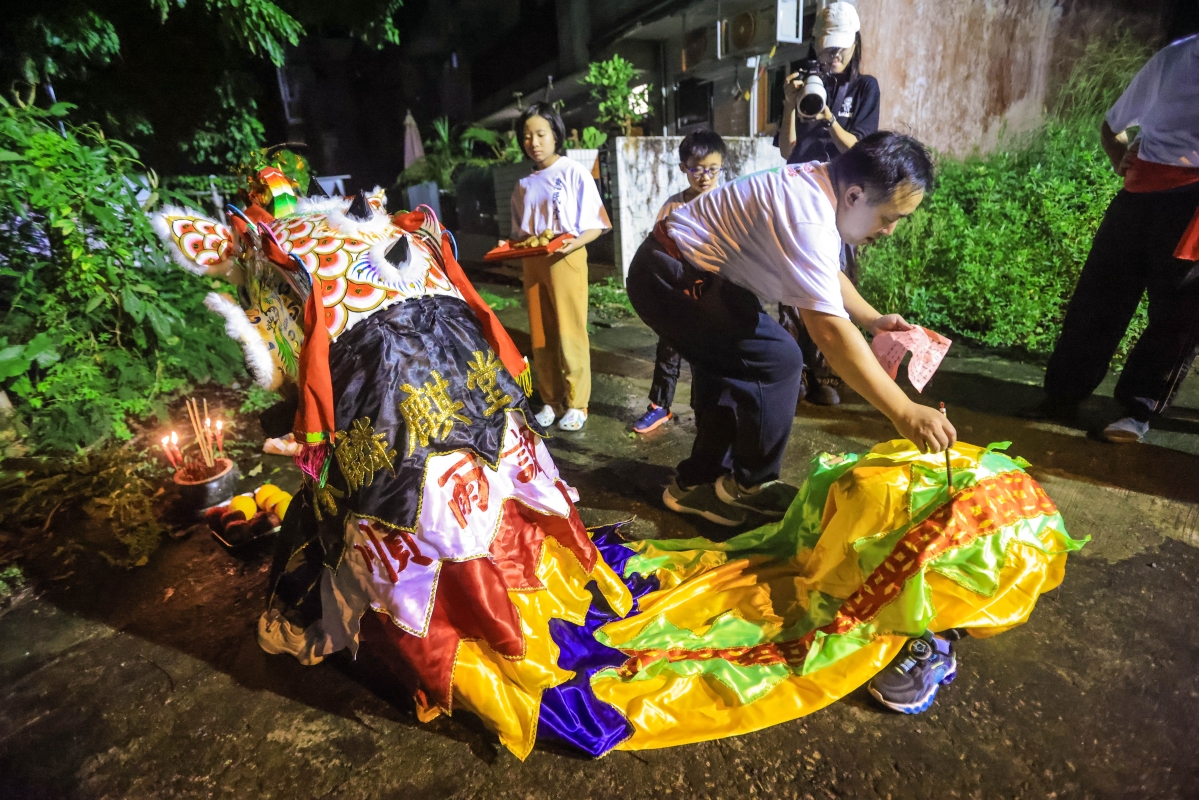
(639,100)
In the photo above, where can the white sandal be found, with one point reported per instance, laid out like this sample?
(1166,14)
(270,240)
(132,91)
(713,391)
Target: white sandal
(545,417)
(573,419)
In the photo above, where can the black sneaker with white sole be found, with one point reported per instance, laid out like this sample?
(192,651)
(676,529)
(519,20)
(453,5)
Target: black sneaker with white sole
(702,501)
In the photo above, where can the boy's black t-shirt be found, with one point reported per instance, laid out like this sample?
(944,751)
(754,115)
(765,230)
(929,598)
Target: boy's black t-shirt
(855,106)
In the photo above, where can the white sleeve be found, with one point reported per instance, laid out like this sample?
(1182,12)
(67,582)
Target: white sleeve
(1129,111)
(812,278)
(592,213)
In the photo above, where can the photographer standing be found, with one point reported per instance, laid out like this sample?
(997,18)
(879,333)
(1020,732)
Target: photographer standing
(827,107)
(850,110)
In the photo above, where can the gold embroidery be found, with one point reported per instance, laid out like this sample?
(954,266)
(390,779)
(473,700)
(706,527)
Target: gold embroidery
(482,375)
(324,496)
(430,412)
(361,453)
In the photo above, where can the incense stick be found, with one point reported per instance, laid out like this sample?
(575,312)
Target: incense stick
(948,468)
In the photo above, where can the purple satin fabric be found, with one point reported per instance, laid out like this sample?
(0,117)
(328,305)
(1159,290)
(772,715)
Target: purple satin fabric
(571,713)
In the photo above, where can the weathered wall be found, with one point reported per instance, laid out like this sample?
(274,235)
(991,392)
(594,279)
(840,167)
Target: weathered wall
(958,75)
(647,172)
(955,74)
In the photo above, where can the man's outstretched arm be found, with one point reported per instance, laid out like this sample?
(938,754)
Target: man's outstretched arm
(849,355)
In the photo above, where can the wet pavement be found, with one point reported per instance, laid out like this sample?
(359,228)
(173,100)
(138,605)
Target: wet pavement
(149,683)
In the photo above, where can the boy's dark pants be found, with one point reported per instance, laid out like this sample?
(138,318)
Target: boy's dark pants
(667,366)
(1132,252)
(745,368)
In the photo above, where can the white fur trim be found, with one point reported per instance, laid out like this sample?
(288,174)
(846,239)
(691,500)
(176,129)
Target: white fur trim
(384,268)
(320,205)
(377,225)
(239,328)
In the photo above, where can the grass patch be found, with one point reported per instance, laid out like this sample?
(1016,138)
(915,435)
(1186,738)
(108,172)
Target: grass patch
(608,299)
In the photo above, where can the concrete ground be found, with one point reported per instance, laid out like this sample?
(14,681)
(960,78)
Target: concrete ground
(149,683)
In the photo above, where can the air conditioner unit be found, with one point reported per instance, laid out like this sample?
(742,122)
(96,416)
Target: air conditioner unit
(750,32)
(789,21)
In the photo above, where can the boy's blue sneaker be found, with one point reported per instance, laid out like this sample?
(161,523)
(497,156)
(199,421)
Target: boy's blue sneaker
(909,683)
(652,418)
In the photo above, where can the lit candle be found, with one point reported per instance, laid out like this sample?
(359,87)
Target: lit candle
(175,446)
(166,441)
(220,437)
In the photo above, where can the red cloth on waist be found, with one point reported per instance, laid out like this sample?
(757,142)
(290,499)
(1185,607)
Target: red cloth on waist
(667,243)
(1146,176)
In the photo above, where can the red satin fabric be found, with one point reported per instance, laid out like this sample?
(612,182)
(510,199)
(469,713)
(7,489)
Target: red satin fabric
(315,412)
(517,547)
(472,602)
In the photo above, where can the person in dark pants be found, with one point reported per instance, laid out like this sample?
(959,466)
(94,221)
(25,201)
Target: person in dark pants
(1148,241)
(701,159)
(701,281)
(850,113)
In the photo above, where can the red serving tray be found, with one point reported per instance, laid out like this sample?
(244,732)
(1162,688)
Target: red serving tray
(505,252)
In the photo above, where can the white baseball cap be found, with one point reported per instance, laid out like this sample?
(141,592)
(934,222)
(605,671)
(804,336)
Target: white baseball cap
(837,25)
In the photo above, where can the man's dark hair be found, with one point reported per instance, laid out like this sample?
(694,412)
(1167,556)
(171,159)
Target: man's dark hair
(700,144)
(550,114)
(883,162)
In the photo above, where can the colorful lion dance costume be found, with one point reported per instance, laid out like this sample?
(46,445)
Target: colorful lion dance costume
(434,531)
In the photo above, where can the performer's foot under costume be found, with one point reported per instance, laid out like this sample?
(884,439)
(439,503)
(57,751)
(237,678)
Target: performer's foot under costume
(435,534)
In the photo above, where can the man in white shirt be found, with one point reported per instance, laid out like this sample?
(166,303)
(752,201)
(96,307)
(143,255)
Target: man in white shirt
(701,281)
(1148,241)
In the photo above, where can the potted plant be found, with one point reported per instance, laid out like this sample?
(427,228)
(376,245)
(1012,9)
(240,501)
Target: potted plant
(620,104)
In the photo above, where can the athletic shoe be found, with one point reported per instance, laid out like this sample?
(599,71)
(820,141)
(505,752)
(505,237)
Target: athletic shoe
(545,417)
(573,419)
(823,395)
(652,418)
(771,499)
(702,501)
(1125,431)
(909,683)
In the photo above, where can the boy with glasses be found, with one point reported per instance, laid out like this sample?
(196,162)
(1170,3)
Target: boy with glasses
(701,159)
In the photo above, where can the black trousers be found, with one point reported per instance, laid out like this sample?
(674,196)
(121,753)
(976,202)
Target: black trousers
(816,367)
(1132,253)
(745,368)
(667,366)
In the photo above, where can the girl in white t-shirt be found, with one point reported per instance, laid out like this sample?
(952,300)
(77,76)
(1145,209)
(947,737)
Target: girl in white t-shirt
(559,196)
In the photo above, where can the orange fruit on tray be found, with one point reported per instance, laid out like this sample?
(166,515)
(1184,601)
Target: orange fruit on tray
(245,504)
(280,509)
(275,499)
(264,493)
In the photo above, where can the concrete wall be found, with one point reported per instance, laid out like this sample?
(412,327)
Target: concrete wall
(955,74)
(959,75)
(647,172)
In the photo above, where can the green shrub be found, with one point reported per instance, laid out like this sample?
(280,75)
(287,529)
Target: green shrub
(994,253)
(609,299)
(98,324)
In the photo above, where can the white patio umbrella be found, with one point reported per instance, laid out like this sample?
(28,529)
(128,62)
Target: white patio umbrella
(413,149)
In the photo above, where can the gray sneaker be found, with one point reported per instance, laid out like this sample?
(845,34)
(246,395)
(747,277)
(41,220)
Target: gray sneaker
(702,501)
(771,500)
(1126,431)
